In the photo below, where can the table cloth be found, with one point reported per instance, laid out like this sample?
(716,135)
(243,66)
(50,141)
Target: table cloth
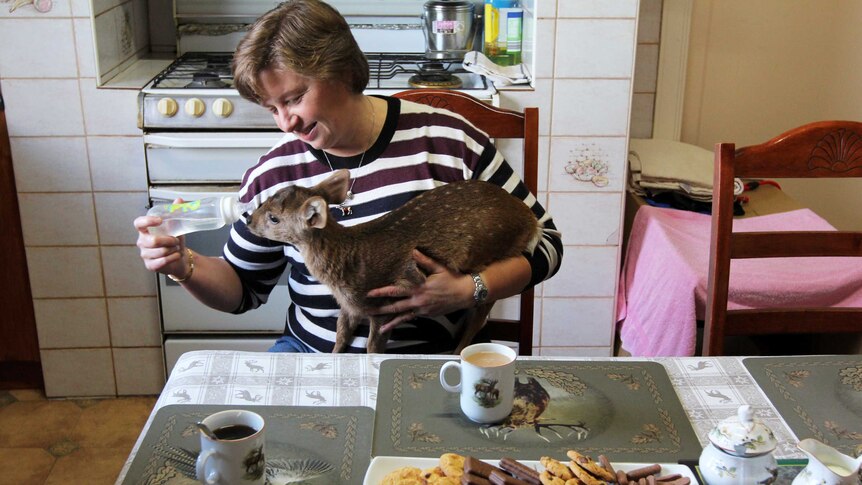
(710,389)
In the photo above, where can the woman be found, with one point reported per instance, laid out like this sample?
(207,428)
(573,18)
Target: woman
(301,62)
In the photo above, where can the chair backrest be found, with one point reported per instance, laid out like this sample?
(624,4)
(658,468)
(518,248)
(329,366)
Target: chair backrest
(497,123)
(827,149)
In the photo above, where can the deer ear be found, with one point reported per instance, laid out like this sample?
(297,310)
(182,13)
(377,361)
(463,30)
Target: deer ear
(334,188)
(316,212)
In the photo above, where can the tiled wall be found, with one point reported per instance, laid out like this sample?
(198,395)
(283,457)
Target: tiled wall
(583,68)
(80,174)
(79,169)
(646,68)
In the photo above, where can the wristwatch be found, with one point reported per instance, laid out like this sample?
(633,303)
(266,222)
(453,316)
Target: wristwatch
(480,294)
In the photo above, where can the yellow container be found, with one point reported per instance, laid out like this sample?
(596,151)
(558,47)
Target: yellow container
(503,26)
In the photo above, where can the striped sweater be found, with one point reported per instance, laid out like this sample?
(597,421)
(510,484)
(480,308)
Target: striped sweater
(419,148)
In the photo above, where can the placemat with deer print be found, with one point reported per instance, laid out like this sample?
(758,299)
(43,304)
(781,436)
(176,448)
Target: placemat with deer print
(819,396)
(627,411)
(314,445)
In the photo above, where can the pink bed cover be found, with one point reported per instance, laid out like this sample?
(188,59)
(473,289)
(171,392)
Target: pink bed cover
(663,281)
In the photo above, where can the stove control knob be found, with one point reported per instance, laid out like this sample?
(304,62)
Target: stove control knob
(222,107)
(195,107)
(167,107)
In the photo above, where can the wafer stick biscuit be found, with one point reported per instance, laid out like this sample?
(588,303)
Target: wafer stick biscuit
(470,479)
(499,477)
(521,471)
(622,478)
(643,472)
(478,467)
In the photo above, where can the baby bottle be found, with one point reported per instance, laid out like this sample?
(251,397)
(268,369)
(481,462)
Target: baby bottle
(198,215)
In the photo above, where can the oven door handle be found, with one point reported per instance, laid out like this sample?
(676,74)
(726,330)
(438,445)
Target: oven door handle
(187,193)
(216,140)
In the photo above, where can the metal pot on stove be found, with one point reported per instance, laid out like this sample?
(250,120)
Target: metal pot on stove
(449,27)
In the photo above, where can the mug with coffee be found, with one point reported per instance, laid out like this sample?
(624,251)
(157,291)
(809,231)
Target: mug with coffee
(487,384)
(236,453)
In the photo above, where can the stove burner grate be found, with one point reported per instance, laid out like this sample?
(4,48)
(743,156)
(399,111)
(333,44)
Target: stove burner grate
(435,80)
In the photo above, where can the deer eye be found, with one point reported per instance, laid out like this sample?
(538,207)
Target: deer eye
(273,219)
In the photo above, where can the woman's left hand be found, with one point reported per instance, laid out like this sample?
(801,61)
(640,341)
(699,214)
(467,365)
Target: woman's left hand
(443,291)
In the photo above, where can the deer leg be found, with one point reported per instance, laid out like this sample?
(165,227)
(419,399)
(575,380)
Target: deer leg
(376,339)
(344,330)
(474,321)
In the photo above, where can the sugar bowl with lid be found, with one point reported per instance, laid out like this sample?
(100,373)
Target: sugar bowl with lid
(739,451)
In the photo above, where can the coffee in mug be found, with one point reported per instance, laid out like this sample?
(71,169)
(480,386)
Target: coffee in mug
(487,381)
(236,455)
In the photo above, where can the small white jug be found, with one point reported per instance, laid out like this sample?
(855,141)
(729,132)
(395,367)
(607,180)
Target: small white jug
(827,466)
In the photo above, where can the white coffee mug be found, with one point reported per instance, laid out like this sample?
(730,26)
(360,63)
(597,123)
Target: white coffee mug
(237,455)
(487,383)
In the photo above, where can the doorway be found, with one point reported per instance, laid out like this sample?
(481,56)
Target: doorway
(20,366)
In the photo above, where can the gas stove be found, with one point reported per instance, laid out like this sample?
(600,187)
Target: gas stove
(196,91)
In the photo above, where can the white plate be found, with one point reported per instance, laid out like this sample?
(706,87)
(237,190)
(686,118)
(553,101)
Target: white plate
(381,465)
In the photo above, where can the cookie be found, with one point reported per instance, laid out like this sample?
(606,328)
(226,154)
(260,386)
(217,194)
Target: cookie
(406,475)
(548,479)
(556,468)
(438,477)
(452,465)
(583,475)
(591,466)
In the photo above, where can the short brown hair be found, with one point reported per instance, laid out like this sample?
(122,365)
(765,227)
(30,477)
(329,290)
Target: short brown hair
(307,37)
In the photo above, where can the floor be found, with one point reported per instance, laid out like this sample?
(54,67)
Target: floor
(76,441)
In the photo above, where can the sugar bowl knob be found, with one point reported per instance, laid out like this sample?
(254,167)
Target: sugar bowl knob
(739,451)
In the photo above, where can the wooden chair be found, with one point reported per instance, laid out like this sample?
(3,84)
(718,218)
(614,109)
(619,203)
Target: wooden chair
(827,149)
(497,123)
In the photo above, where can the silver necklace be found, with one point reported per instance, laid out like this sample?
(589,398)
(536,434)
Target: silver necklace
(346,210)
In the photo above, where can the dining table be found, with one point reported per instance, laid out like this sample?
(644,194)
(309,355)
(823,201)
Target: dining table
(709,389)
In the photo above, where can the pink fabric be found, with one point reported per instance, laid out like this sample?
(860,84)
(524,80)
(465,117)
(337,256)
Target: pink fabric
(663,281)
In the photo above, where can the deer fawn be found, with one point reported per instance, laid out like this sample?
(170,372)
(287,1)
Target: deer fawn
(465,225)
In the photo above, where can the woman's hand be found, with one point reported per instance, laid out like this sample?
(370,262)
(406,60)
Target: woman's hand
(163,254)
(443,291)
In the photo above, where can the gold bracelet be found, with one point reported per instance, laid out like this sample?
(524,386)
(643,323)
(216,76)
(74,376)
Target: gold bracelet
(191,268)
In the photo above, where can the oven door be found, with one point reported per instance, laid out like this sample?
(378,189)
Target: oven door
(182,313)
(205,157)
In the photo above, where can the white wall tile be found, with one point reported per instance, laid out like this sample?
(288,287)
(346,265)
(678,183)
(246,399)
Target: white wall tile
(65,272)
(78,373)
(586,107)
(546,31)
(50,164)
(80,8)
(643,112)
(134,322)
(125,274)
(78,322)
(545,8)
(586,271)
(139,371)
(85,49)
(115,212)
(649,21)
(597,8)
(594,48)
(43,107)
(544,159)
(64,219)
(583,322)
(58,9)
(118,163)
(37,48)
(109,111)
(571,159)
(646,68)
(587,218)
(540,97)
